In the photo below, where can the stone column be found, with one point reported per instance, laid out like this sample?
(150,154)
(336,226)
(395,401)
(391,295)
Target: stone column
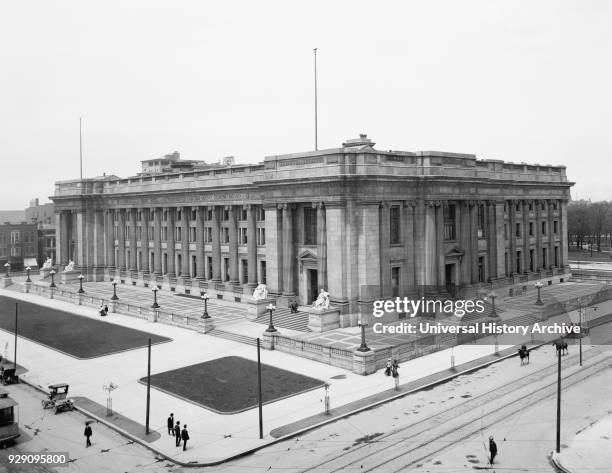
(288,257)
(322,246)
(474,241)
(63,242)
(216,245)
(157,247)
(274,249)
(252,245)
(526,238)
(233,245)
(465,243)
(512,236)
(81,257)
(133,240)
(170,269)
(336,241)
(440,256)
(551,235)
(98,245)
(419,244)
(369,249)
(563,239)
(500,239)
(110,239)
(385,248)
(185,214)
(144,240)
(492,239)
(431,244)
(200,256)
(408,268)
(121,240)
(538,235)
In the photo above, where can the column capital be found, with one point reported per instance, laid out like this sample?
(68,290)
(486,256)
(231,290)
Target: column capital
(318,205)
(410,203)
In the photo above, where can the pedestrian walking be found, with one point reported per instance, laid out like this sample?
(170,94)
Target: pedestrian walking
(88,433)
(171,424)
(177,433)
(105,310)
(185,437)
(394,368)
(492,449)
(388,368)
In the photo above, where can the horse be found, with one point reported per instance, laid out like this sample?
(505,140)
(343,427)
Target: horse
(561,346)
(523,354)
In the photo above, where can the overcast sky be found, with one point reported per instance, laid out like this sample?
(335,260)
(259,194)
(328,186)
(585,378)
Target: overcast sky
(513,80)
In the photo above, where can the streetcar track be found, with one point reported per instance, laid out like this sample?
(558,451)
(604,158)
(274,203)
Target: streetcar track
(457,410)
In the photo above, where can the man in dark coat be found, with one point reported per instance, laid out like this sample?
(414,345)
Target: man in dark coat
(88,433)
(492,449)
(177,433)
(185,437)
(171,424)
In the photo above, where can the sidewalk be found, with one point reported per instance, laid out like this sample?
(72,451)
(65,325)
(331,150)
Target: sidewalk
(215,437)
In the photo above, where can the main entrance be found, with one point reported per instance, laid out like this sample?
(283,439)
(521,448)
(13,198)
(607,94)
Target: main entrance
(313,286)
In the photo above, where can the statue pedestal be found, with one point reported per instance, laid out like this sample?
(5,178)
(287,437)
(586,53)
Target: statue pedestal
(322,320)
(68,277)
(257,308)
(5,282)
(364,362)
(44,272)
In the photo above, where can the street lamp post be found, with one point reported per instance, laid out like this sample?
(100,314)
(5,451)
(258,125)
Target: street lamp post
(538,286)
(493,296)
(28,269)
(81,291)
(52,273)
(8,267)
(114,298)
(271,307)
(205,314)
(155,304)
(363,346)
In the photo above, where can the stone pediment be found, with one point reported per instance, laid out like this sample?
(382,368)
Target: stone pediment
(455,252)
(307,255)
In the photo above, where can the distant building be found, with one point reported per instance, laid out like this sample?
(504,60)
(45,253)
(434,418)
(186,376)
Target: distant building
(18,245)
(43,216)
(173,163)
(12,216)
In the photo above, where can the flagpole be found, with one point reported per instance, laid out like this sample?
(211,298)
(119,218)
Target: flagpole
(80,148)
(315,99)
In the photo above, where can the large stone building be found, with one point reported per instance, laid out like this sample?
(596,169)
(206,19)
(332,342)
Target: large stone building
(359,222)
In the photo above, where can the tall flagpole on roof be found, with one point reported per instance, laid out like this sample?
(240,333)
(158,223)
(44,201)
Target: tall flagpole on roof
(315,99)
(80,148)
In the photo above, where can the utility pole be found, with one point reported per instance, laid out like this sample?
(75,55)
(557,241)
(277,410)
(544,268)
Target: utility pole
(148,387)
(315,100)
(559,400)
(15,357)
(260,401)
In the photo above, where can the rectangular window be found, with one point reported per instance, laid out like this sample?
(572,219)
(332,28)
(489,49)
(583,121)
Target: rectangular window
(556,256)
(192,234)
(518,230)
(209,265)
(530,228)
(226,269)
(209,235)
(243,236)
(517,207)
(126,232)
(243,215)
(194,214)
(531,261)
(179,214)
(261,236)
(165,233)
(165,215)
(543,228)
(506,231)
(16,251)
(394,225)
(518,262)
(481,221)
(481,269)
(244,276)
(260,214)
(310,226)
(225,235)
(139,233)
(555,227)
(506,263)
(530,206)
(177,233)
(151,233)
(225,215)
(449,222)
(544,258)
(15,237)
(209,214)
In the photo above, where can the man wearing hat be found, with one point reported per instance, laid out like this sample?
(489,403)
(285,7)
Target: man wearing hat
(492,448)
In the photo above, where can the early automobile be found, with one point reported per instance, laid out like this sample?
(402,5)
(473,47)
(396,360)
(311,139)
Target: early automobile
(58,398)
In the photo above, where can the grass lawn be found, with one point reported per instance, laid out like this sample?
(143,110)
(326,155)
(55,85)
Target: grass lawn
(229,385)
(72,334)
(585,255)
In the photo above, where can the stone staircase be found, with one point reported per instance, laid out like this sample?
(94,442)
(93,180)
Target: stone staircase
(283,318)
(236,337)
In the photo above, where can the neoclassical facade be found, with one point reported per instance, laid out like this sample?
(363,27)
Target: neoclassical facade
(362,223)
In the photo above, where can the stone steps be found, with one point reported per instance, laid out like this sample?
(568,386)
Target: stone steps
(283,318)
(233,336)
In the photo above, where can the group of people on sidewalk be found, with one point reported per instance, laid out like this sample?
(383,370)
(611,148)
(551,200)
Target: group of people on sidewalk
(174,429)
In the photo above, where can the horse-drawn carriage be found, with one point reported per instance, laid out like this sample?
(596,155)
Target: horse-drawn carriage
(58,398)
(8,376)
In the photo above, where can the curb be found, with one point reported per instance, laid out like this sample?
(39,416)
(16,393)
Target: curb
(554,458)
